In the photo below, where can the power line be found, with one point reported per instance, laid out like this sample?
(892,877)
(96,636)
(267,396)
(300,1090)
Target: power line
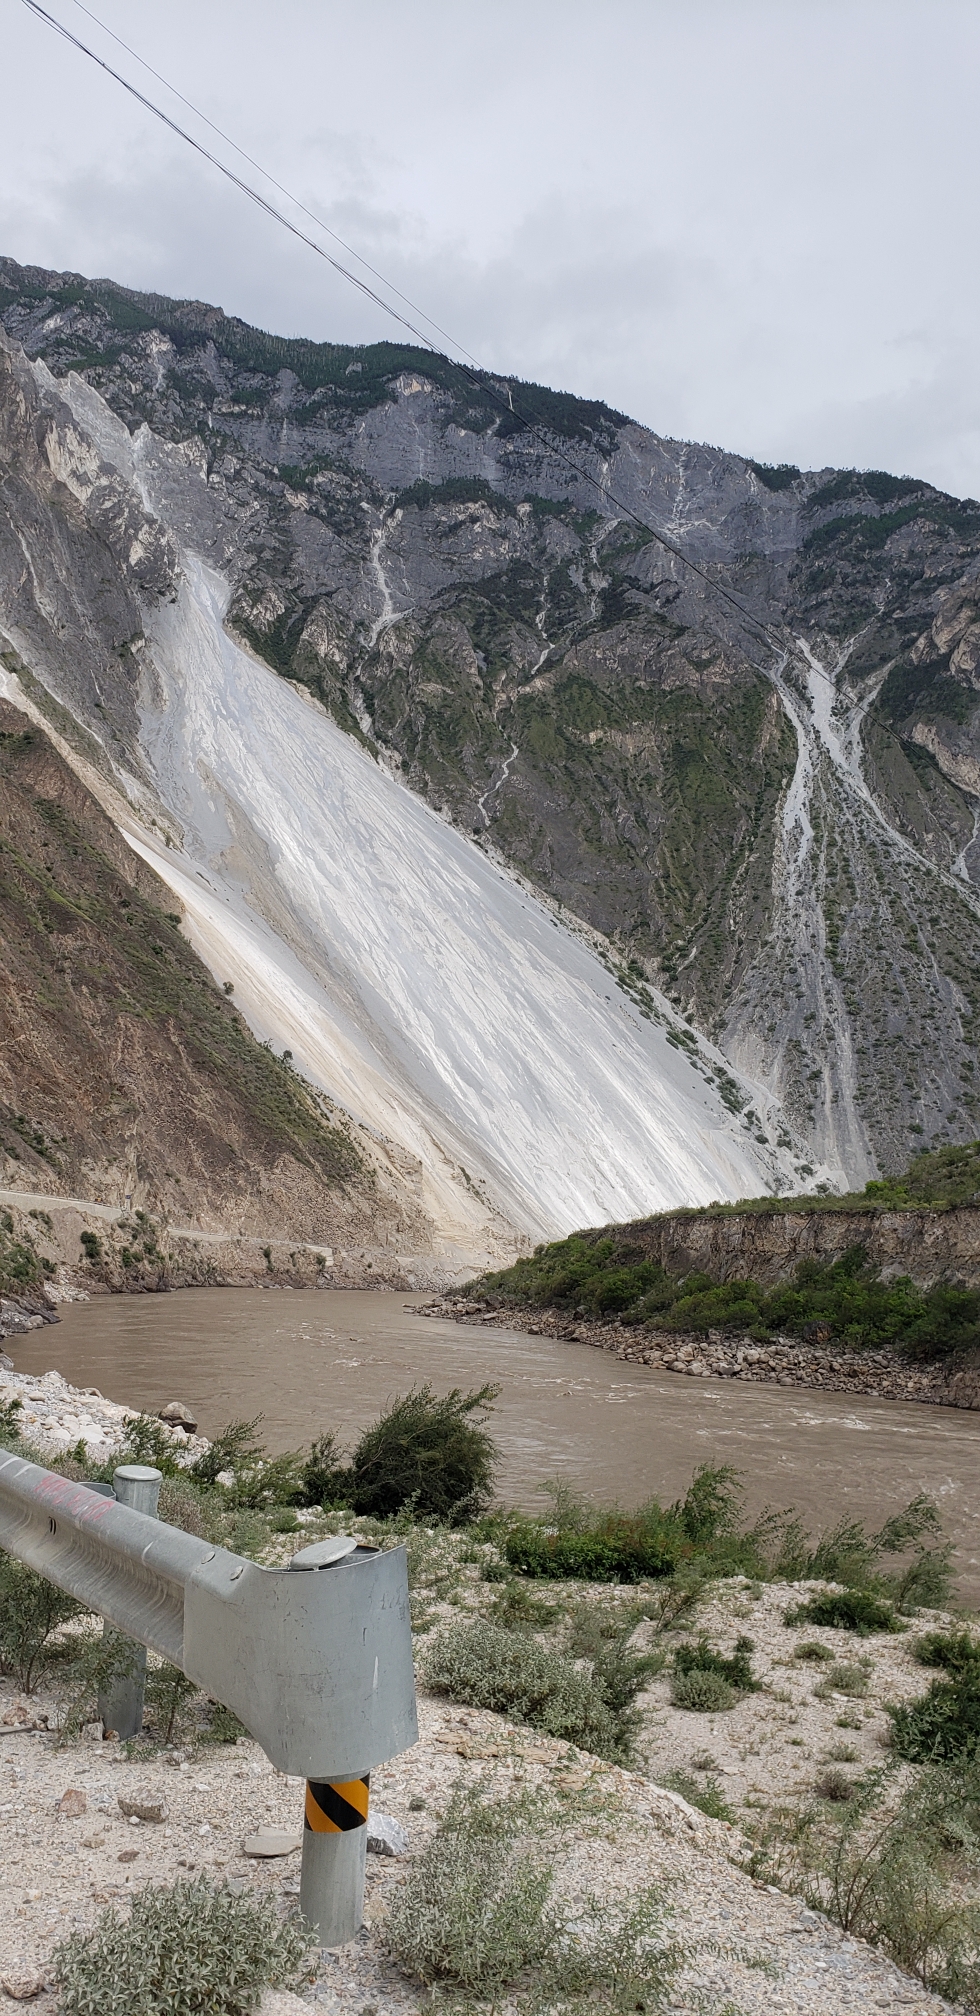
(776,636)
(283,191)
(482,383)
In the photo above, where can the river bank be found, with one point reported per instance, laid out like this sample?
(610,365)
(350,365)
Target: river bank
(786,1361)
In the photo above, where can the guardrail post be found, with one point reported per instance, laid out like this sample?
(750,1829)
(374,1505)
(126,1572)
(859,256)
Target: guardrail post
(121,1699)
(317,1664)
(331,1882)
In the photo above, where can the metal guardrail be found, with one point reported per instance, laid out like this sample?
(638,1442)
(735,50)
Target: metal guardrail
(316,1664)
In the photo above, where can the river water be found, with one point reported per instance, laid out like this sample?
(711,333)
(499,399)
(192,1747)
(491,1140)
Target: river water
(316,1360)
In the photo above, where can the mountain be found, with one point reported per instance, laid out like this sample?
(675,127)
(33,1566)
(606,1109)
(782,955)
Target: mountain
(517,756)
(140,1078)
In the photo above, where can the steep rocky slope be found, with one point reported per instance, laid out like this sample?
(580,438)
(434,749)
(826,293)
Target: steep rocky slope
(777,827)
(126,1075)
(513,1085)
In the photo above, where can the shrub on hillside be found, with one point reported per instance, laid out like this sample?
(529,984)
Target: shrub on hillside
(180,1951)
(430,1453)
(482,1666)
(597,1544)
(735,1669)
(957,1651)
(704,1693)
(478,1914)
(31,1610)
(943,1725)
(846,1610)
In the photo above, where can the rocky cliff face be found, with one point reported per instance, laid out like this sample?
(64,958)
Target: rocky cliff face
(768,1246)
(777,828)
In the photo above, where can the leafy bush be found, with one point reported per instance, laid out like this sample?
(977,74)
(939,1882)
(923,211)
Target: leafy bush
(482,1666)
(848,1553)
(9,1422)
(846,1610)
(146,1441)
(848,1677)
(624,1552)
(957,1651)
(601,1634)
(427,1453)
(324,1477)
(478,1914)
(31,1610)
(596,1544)
(475,1909)
(234,1449)
(813,1652)
(943,1725)
(703,1692)
(834,1785)
(190,1950)
(736,1670)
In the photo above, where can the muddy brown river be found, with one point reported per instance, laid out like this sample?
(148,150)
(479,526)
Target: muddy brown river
(316,1360)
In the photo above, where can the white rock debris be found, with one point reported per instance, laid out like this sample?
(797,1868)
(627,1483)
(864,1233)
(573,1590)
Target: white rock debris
(56,1416)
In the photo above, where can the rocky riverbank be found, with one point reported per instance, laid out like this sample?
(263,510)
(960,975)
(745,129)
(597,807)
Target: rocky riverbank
(785,1361)
(56,1416)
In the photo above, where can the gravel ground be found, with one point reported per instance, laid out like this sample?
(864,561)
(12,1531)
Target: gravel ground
(773,1744)
(60,1867)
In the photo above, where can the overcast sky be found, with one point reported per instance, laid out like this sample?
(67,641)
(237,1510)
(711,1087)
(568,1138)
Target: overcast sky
(753,222)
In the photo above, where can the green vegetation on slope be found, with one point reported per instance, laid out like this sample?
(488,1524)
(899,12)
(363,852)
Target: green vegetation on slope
(599,1277)
(607,1273)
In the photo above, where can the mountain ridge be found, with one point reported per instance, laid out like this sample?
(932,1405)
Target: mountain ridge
(786,846)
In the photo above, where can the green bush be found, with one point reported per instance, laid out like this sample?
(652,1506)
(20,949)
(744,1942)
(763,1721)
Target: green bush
(190,1950)
(846,1610)
(625,1552)
(601,1274)
(702,1692)
(146,1441)
(476,1908)
(900,1870)
(736,1669)
(325,1477)
(847,1677)
(477,1914)
(482,1666)
(957,1651)
(234,1449)
(813,1652)
(10,1410)
(943,1725)
(427,1453)
(31,1610)
(601,1544)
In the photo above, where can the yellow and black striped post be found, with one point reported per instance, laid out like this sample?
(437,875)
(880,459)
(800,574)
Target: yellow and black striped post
(331,1891)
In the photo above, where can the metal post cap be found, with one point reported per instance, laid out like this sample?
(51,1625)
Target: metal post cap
(323,1553)
(138,1473)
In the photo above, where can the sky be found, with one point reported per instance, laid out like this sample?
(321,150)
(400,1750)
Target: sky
(747,222)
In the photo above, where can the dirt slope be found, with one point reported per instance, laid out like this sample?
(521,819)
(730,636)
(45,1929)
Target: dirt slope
(126,1076)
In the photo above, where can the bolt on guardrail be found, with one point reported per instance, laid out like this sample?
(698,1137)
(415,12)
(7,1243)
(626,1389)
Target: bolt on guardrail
(317,1663)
